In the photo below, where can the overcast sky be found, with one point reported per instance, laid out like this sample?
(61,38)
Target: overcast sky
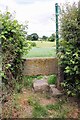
(40,14)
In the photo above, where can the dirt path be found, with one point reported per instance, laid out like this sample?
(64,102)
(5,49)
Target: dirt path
(19,105)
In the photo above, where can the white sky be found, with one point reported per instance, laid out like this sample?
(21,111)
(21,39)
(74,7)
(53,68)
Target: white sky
(38,13)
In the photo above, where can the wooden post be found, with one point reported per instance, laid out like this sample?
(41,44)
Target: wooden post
(60,76)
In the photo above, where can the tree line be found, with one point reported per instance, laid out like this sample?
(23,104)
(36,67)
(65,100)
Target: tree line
(35,36)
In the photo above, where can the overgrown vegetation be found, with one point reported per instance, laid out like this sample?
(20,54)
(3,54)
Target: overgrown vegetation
(52,79)
(33,44)
(28,104)
(69,52)
(39,111)
(13,40)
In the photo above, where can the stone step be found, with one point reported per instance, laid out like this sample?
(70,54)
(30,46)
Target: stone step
(40,86)
(43,86)
(54,91)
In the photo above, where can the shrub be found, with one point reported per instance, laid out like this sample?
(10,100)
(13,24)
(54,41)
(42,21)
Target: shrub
(33,44)
(69,50)
(52,38)
(13,39)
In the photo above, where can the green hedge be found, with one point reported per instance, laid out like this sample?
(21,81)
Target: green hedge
(13,40)
(69,50)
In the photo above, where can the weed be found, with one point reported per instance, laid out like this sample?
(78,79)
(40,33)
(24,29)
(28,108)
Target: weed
(39,111)
(53,107)
(56,106)
(18,87)
(39,77)
(27,81)
(52,79)
(63,113)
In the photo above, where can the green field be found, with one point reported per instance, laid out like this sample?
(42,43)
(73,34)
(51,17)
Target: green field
(42,49)
(44,44)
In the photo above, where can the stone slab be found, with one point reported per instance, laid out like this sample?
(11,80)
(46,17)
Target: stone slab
(40,86)
(54,91)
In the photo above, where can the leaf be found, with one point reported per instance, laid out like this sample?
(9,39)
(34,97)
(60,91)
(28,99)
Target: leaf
(69,92)
(3,37)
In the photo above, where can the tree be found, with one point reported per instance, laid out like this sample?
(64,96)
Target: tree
(69,50)
(44,37)
(52,38)
(29,37)
(34,36)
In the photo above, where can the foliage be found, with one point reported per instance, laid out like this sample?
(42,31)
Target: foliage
(52,38)
(18,87)
(56,106)
(33,37)
(39,111)
(14,44)
(28,80)
(28,37)
(44,37)
(52,79)
(33,44)
(69,50)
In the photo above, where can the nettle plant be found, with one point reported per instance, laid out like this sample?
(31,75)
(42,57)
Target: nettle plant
(69,50)
(14,44)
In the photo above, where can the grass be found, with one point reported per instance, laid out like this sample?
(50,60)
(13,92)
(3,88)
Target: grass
(44,44)
(57,106)
(52,79)
(31,105)
(60,112)
(42,49)
(28,80)
(39,111)
(41,52)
